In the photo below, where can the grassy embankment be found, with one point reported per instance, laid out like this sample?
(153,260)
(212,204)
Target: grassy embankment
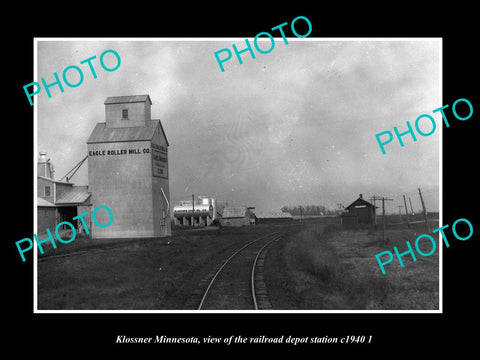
(333,267)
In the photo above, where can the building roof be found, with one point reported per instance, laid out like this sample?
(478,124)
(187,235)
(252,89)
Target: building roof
(273,215)
(102,134)
(43,202)
(234,212)
(359,201)
(127,99)
(53,180)
(73,195)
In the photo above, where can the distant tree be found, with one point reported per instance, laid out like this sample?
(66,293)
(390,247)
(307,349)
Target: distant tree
(305,210)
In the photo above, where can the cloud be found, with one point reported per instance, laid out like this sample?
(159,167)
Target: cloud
(293,126)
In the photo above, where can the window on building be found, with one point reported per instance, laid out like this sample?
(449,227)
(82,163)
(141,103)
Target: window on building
(47,191)
(125,114)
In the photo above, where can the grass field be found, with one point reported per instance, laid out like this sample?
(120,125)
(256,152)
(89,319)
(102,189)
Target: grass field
(144,274)
(317,266)
(333,267)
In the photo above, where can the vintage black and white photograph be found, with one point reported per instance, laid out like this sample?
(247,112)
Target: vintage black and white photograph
(238,175)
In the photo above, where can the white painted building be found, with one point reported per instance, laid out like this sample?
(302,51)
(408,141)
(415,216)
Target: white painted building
(128,170)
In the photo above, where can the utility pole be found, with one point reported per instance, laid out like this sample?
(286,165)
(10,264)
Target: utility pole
(383,213)
(193,208)
(374,197)
(400,212)
(406,210)
(340,212)
(411,207)
(424,210)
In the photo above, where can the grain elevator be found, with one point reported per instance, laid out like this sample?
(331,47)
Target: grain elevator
(128,170)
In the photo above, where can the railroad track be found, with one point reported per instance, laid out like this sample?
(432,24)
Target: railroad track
(76,253)
(238,283)
(91,249)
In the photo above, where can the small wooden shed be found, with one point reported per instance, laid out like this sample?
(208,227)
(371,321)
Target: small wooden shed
(359,211)
(236,216)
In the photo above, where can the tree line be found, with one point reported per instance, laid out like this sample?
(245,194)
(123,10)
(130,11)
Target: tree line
(304,210)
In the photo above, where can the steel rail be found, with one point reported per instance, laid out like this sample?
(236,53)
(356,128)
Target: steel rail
(254,297)
(214,278)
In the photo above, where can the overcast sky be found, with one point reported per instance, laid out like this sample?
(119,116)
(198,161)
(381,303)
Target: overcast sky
(295,126)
